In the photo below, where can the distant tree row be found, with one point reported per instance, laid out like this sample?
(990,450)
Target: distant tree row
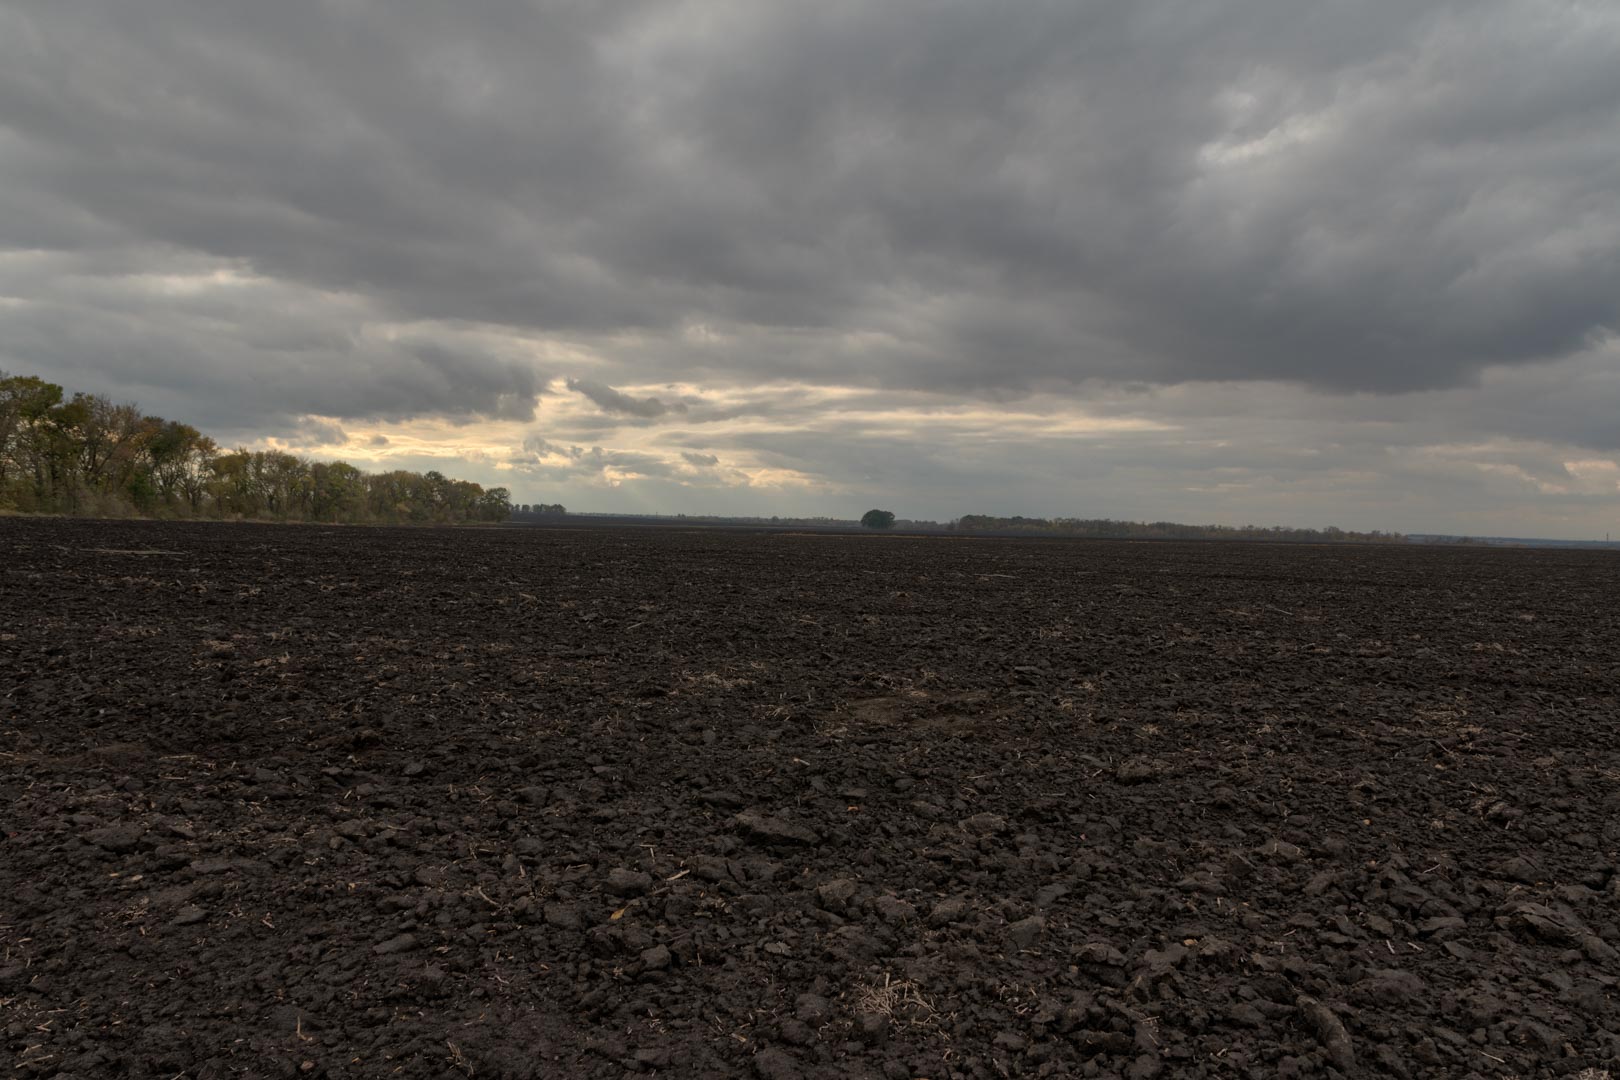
(87,455)
(1164,530)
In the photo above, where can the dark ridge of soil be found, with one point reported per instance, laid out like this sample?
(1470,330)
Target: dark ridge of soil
(365,802)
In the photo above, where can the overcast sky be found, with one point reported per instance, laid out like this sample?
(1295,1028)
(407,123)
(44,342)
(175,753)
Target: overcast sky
(1233,261)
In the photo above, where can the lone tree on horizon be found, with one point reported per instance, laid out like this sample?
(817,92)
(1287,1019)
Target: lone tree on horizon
(877,519)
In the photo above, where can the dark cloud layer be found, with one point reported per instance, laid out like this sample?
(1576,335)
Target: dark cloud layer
(394,208)
(610,400)
(1356,195)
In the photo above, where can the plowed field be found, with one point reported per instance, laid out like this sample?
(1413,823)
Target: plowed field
(294,801)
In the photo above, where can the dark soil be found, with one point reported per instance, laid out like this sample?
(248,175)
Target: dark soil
(343,802)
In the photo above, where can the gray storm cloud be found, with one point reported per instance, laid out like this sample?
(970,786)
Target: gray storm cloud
(313,433)
(406,210)
(1358,196)
(610,400)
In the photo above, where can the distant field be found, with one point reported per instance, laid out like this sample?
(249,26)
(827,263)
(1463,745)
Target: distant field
(526,802)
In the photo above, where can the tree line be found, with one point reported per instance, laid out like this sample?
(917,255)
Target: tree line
(88,455)
(1164,530)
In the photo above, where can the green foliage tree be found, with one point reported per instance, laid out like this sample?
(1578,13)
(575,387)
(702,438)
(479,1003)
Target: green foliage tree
(877,519)
(337,492)
(494,505)
(26,405)
(168,447)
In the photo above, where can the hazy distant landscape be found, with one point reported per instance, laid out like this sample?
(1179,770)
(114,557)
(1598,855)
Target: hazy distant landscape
(89,456)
